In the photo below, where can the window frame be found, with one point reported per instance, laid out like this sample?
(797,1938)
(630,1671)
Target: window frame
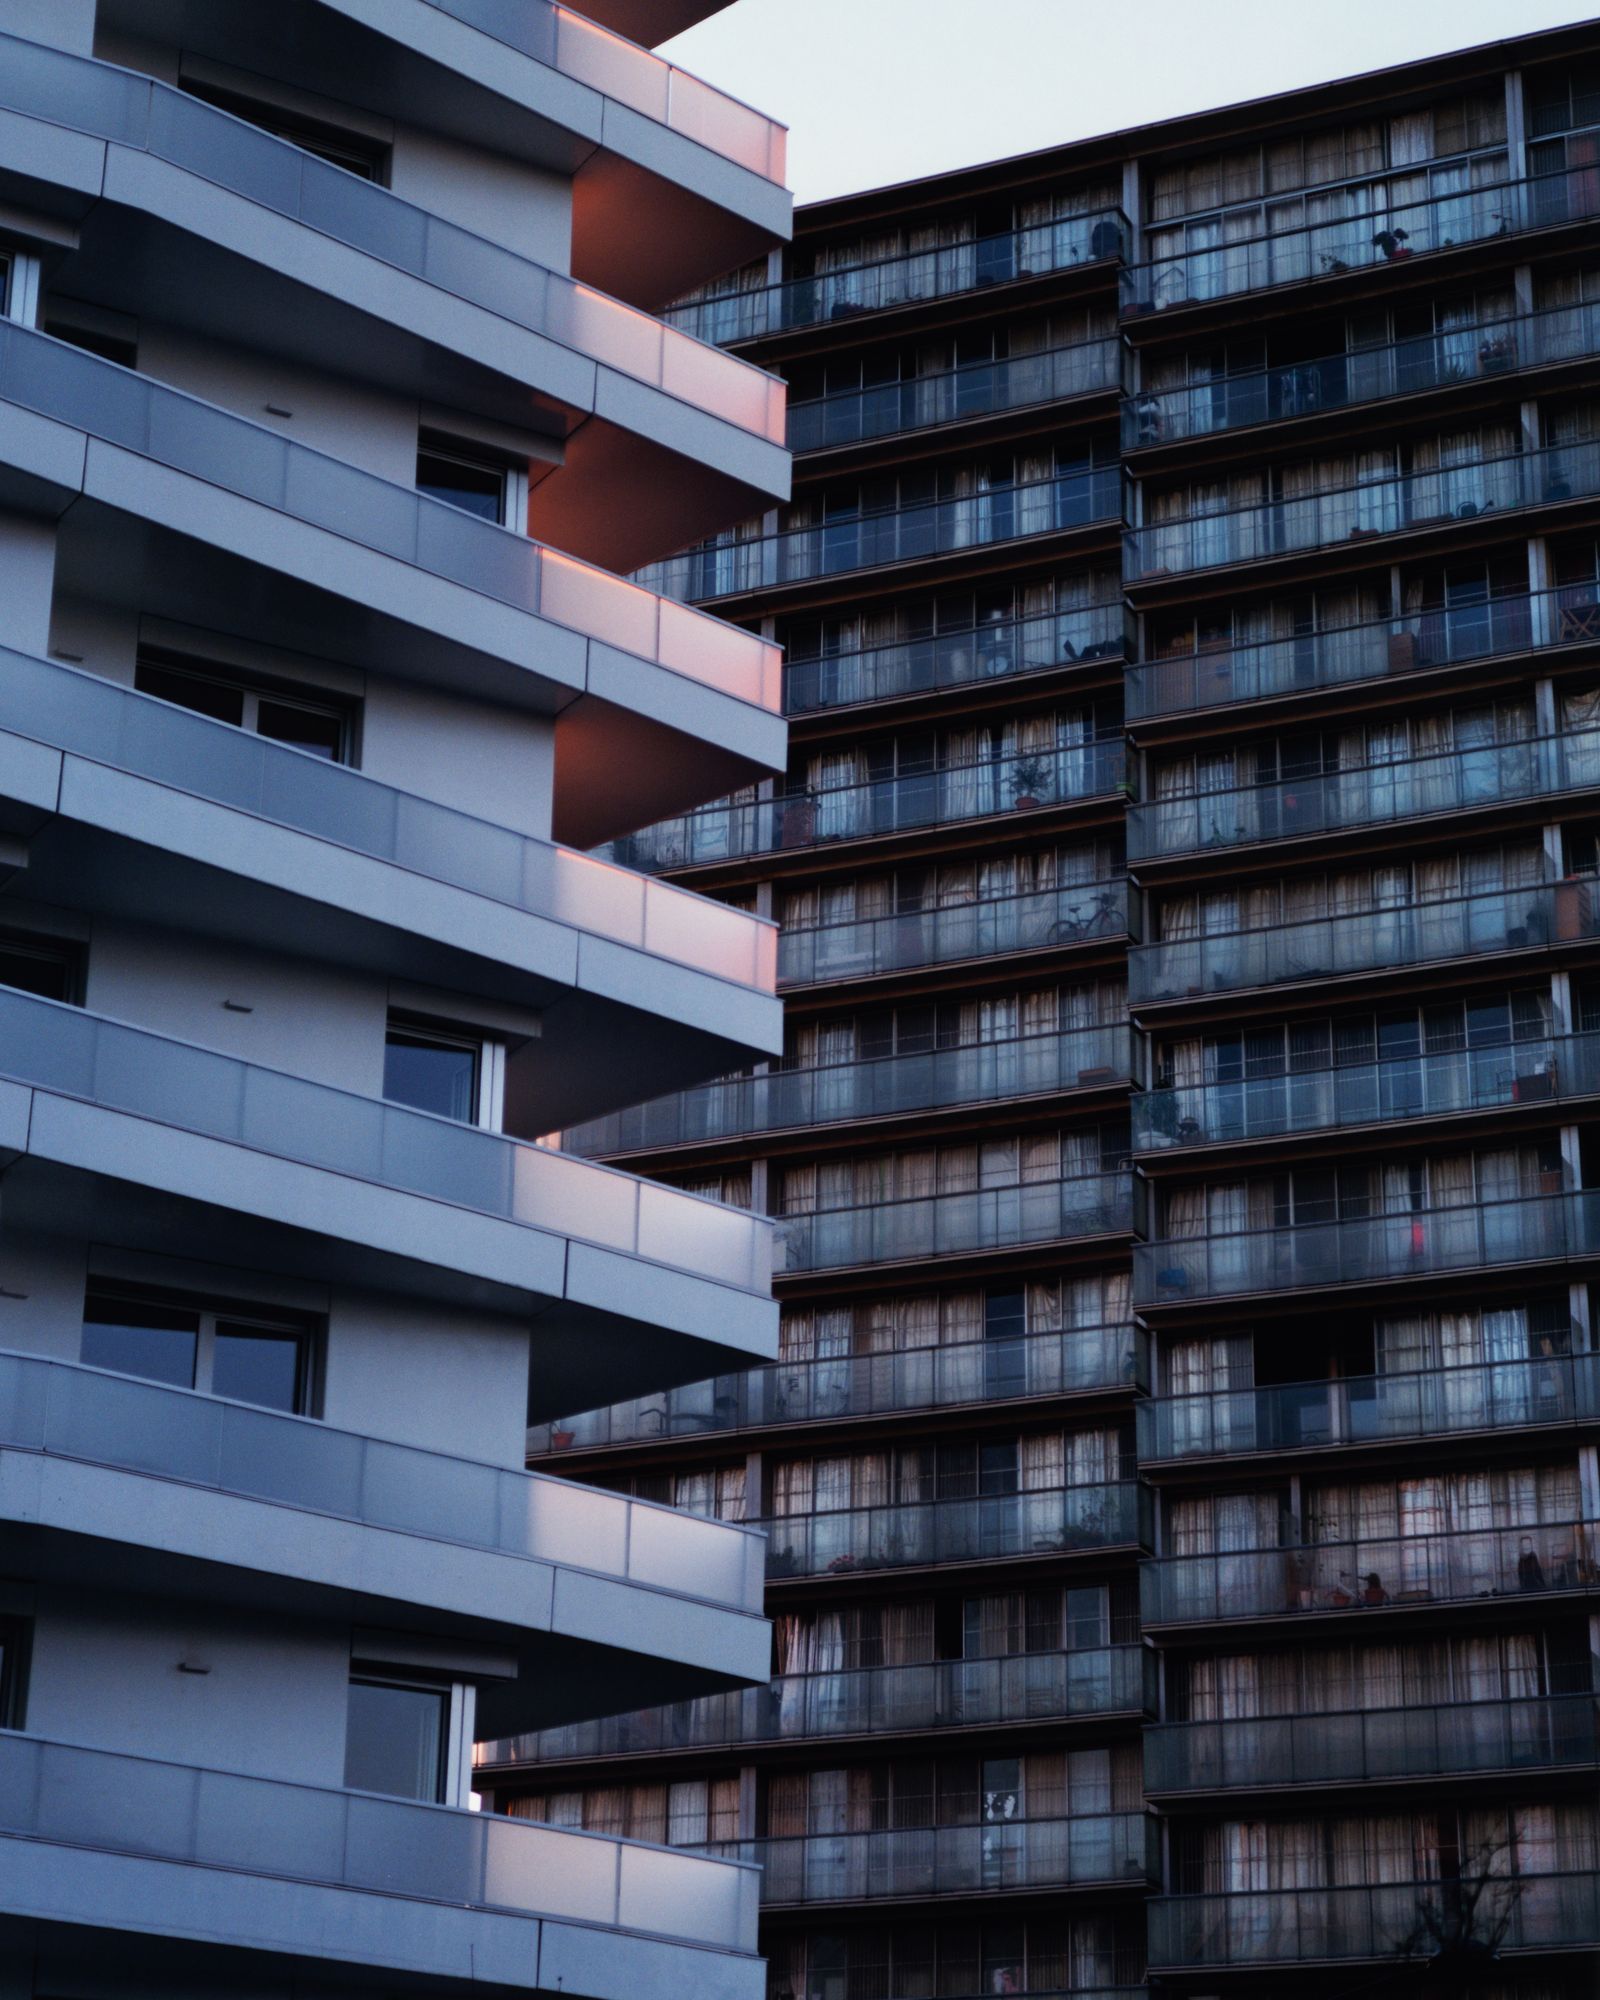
(458,1702)
(253,689)
(513,474)
(212,1315)
(47,946)
(488,1050)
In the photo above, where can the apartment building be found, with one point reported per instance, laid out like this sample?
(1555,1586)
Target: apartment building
(334,404)
(1179,1470)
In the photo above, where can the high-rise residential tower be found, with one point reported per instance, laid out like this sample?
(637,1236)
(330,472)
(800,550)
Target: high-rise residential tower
(333,403)
(1180,1468)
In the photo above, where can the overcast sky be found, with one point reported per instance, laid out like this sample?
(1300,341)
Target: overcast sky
(876,91)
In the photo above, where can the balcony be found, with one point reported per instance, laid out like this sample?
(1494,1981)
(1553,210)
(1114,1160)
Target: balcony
(1030,509)
(910,279)
(1393,232)
(1372,1746)
(337,1878)
(1392,1920)
(1078,1361)
(1356,1578)
(1360,376)
(876,810)
(1069,1520)
(1381,940)
(867,1701)
(1514,1394)
(1353,518)
(1420,1243)
(955,1225)
(1000,650)
(957,395)
(922,1863)
(1437,1084)
(1074,914)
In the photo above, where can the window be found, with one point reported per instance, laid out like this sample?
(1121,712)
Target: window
(316,725)
(474,480)
(452,1072)
(244,1356)
(397,1736)
(367,158)
(50,967)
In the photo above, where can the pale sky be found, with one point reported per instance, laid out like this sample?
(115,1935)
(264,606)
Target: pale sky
(876,91)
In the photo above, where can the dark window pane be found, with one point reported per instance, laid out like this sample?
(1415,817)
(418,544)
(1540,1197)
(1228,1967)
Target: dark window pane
(429,1075)
(312,729)
(155,1342)
(255,1365)
(460,482)
(394,1740)
(36,969)
(204,696)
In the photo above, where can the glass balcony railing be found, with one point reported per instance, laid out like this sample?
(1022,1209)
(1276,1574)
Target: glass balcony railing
(1052,1521)
(131,110)
(1433,1085)
(1360,375)
(171,1083)
(1082,498)
(62,1410)
(633,76)
(1454,781)
(864,1701)
(1223,672)
(1075,1361)
(124,731)
(1372,1409)
(1073,914)
(1417,1243)
(1391,228)
(167,427)
(1370,1745)
(1097,238)
(885,1087)
(1355,516)
(1462,1566)
(993,651)
(903,804)
(1497,920)
(925,1862)
(972,389)
(1376,1921)
(952,1225)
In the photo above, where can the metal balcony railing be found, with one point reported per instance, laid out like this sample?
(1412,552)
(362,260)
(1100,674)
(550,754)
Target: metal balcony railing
(1513,1394)
(1414,1243)
(921,1533)
(1075,1361)
(881,285)
(971,389)
(1359,375)
(1544,1069)
(864,1701)
(1463,1566)
(1417,933)
(1367,1746)
(1364,514)
(1451,781)
(1390,227)
(951,1225)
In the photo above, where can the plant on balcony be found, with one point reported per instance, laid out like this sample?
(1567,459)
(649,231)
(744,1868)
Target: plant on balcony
(1029,781)
(1461,1926)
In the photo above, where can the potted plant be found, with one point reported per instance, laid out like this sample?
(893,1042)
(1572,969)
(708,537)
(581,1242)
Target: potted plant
(561,1440)
(1029,781)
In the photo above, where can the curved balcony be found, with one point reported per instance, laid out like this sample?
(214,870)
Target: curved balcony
(1030,509)
(1373,1746)
(954,1225)
(1334,802)
(1066,1520)
(1379,940)
(1515,1394)
(1077,1361)
(1392,1920)
(876,810)
(1357,516)
(1419,1243)
(865,1701)
(1392,230)
(915,276)
(1100,1850)
(1000,650)
(955,395)
(92,1836)
(1222,673)
(1353,1579)
(1046,919)
(1359,376)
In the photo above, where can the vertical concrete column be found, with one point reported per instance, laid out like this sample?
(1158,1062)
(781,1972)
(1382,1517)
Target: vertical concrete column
(27,581)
